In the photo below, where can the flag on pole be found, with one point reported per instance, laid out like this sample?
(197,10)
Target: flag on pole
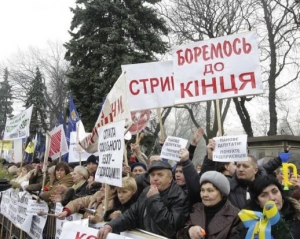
(58,142)
(115,108)
(73,119)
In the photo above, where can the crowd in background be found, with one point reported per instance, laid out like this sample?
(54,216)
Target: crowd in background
(175,200)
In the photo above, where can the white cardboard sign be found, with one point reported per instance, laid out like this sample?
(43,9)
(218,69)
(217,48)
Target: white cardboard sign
(171,147)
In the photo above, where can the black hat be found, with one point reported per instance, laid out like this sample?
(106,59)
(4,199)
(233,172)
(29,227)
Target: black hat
(4,184)
(138,164)
(93,159)
(159,165)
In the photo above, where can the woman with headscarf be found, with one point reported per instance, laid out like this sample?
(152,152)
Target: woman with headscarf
(267,189)
(214,217)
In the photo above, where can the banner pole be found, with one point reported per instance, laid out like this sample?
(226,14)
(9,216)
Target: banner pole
(162,133)
(46,155)
(23,153)
(219,117)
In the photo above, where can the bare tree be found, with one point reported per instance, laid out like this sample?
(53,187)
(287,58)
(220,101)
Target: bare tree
(194,20)
(53,68)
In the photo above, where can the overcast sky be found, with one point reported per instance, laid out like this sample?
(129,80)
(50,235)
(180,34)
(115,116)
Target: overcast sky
(25,23)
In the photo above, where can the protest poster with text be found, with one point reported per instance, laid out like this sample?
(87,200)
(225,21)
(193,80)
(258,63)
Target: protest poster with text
(171,147)
(149,85)
(75,149)
(17,127)
(59,223)
(111,151)
(218,68)
(115,108)
(230,148)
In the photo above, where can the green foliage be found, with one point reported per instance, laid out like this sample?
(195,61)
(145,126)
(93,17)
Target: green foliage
(105,35)
(36,97)
(6,108)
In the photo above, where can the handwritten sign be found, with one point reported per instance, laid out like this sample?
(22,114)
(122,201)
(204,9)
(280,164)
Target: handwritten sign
(230,148)
(171,147)
(110,149)
(218,68)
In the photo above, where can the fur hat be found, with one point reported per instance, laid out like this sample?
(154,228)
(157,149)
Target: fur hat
(218,180)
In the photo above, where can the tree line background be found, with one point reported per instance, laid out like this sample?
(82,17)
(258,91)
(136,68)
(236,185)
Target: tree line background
(106,34)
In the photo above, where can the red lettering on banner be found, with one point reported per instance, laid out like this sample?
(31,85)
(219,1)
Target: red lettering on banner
(83,235)
(216,51)
(144,84)
(131,87)
(246,46)
(188,56)
(197,52)
(246,78)
(233,86)
(78,236)
(153,83)
(236,46)
(149,85)
(213,85)
(183,89)
(227,48)
(219,66)
(180,58)
(168,82)
(236,50)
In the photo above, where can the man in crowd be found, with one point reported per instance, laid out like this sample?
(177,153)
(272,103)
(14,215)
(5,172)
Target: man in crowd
(162,208)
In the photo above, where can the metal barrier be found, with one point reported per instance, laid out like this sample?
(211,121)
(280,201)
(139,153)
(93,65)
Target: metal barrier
(9,231)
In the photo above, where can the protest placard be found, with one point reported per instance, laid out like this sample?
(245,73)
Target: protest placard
(59,223)
(58,142)
(171,147)
(17,127)
(111,150)
(5,201)
(34,207)
(6,144)
(230,148)
(75,149)
(23,219)
(115,108)
(149,85)
(13,206)
(217,68)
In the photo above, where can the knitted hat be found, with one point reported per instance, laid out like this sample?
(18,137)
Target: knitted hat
(138,164)
(218,180)
(93,159)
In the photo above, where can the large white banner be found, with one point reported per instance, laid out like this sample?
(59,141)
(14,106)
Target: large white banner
(17,127)
(223,67)
(149,85)
(115,108)
(111,150)
(75,151)
(230,148)
(58,142)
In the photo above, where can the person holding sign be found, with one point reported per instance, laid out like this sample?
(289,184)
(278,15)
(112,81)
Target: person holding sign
(162,208)
(94,205)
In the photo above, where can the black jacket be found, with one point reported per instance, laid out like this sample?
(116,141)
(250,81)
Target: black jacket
(163,214)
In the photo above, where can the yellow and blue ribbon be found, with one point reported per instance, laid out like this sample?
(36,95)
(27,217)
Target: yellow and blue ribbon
(259,224)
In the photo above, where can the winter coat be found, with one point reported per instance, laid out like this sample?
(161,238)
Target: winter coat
(66,180)
(163,214)
(221,225)
(290,217)
(118,207)
(91,202)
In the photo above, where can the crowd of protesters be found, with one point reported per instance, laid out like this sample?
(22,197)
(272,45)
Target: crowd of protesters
(182,200)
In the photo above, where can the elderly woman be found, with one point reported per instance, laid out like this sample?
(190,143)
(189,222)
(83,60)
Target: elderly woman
(80,176)
(59,183)
(214,217)
(269,189)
